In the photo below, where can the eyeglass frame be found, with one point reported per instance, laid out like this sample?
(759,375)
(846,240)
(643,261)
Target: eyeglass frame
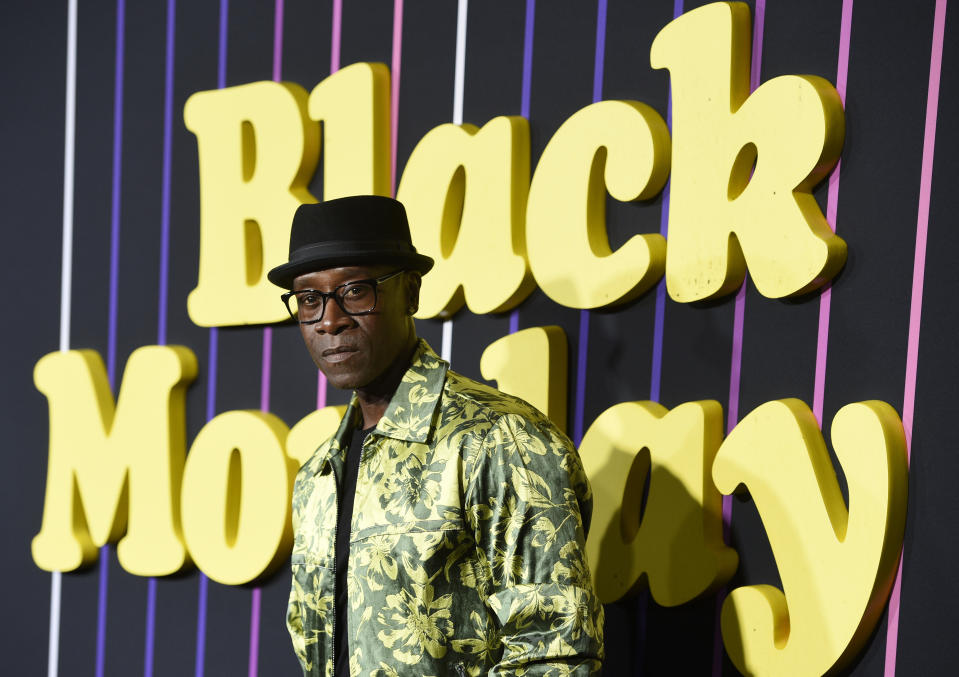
(326,295)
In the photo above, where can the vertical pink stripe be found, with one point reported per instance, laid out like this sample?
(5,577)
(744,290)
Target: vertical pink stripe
(395,94)
(736,364)
(337,33)
(736,360)
(335,48)
(267,356)
(832,207)
(320,389)
(822,343)
(915,304)
(265,365)
(842,68)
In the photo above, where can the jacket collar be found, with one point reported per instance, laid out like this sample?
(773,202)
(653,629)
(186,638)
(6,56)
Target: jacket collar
(410,414)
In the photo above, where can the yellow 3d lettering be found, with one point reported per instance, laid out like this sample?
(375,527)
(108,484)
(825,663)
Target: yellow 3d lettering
(354,106)
(237,487)
(531,364)
(465,192)
(678,543)
(257,151)
(619,146)
(837,565)
(114,469)
(744,165)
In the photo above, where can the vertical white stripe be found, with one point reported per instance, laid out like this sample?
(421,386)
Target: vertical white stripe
(66,280)
(446,350)
(53,655)
(460,63)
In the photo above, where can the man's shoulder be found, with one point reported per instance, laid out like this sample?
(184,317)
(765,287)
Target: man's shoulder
(485,403)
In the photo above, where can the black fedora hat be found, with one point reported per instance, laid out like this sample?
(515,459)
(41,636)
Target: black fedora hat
(349,231)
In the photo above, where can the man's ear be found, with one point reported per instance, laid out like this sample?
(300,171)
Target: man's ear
(413,281)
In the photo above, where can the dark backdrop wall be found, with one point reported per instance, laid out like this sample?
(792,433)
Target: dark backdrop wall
(134,254)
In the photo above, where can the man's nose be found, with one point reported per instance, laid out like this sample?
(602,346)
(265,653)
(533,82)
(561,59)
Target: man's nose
(334,320)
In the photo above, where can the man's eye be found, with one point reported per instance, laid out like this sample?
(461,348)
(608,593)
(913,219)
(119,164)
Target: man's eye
(310,300)
(355,291)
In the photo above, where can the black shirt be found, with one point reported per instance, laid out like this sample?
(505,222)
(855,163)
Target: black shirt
(347,490)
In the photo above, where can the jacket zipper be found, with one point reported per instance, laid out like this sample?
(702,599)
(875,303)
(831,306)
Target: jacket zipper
(336,505)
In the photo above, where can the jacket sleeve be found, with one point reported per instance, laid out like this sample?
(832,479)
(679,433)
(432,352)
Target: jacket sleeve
(528,503)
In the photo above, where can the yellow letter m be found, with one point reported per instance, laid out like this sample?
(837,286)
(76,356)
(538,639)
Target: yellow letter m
(114,469)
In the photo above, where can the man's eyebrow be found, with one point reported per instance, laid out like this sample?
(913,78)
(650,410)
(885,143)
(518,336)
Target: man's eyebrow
(343,284)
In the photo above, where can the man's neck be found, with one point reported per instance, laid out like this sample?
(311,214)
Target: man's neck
(375,397)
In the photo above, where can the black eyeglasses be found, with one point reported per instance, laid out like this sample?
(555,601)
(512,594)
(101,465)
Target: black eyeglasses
(307,306)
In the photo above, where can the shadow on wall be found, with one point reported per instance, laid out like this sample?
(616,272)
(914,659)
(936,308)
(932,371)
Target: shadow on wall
(642,636)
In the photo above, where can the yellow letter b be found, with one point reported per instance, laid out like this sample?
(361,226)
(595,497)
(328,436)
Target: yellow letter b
(258,149)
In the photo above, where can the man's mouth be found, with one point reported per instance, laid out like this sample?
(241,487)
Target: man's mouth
(338,354)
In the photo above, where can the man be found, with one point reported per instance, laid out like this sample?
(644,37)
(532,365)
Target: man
(441,530)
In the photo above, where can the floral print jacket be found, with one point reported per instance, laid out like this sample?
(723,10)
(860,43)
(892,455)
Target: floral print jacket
(468,535)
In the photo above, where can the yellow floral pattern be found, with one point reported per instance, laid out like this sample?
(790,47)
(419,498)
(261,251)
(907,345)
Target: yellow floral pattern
(468,536)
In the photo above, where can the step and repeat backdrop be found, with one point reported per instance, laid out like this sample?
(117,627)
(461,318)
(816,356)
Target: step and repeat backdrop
(735,222)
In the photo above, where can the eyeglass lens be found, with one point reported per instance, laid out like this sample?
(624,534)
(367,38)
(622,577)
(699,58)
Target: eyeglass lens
(353,299)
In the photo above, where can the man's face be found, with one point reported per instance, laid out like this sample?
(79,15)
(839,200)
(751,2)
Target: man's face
(353,350)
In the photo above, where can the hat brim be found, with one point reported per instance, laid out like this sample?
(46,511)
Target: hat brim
(283,275)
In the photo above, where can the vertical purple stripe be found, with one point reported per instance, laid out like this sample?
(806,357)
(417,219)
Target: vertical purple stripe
(337,35)
(579,402)
(221,53)
(115,196)
(832,207)
(167,180)
(164,283)
(915,304)
(203,593)
(204,581)
(277,39)
(201,626)
(102,610)
(112,303)
(581,376)
(599,59)
(212,350)
(735,367)
(528,57)
(150,627)
(255,630)
(660,316)
(659,319)
(514,322)
(656,372)
(524,101)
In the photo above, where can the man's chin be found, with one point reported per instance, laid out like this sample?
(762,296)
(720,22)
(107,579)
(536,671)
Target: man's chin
(344,381)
